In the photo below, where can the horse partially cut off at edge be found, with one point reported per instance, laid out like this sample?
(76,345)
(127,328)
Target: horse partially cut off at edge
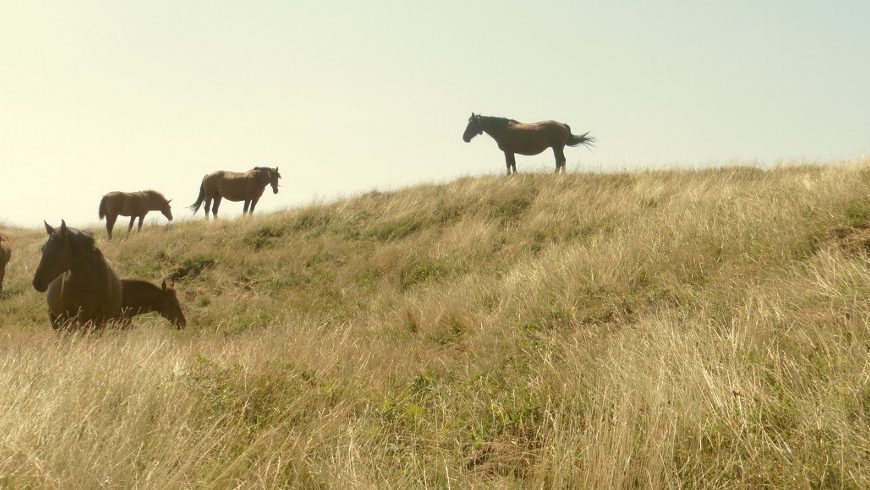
(5,257)
(132,204)
(83,289)
(526,138)
(235,186)
(140,297)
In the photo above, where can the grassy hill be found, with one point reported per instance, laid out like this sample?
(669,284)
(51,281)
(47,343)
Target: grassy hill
(670,328)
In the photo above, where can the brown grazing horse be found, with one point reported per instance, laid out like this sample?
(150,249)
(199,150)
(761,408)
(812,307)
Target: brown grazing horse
(5,256)
(235,186)
(526,138)
(132,204)
(83,290)
(141,297)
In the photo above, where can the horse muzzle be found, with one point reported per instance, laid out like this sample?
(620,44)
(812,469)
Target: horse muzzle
(39,285)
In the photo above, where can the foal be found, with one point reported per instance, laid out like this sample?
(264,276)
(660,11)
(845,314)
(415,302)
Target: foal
(143,297)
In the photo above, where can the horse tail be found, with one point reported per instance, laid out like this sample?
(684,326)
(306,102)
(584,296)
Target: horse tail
(103,207)
(195,206)
(579,139)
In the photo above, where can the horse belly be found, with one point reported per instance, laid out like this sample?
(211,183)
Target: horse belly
(122,205)
(235,191)
(524,141)
(525,147)
(133,207)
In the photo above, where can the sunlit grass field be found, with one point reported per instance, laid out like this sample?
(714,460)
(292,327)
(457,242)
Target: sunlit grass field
(645,329)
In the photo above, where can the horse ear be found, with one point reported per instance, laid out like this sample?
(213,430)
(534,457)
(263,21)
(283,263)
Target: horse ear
(169,201)
(48,228)
(163,286)
(63,229)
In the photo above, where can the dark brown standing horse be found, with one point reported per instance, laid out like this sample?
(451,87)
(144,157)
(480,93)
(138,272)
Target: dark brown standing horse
(143,297)
(235,186)
(132,204)
(5,256)
(526,138)
(83,290)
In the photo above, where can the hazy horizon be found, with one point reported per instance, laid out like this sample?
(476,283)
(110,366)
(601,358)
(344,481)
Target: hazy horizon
(348,97)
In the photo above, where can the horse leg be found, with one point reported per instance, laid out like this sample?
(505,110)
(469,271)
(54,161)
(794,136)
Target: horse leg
(254,204)
(132,220)
(559,151)
(140,223)
(511,162)
(214,208)
(110,223)
(245,209)
(207,207)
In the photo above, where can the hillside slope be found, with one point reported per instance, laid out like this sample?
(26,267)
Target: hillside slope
(704,328)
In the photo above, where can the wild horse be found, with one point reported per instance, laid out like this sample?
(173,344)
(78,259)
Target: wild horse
(526,138)
(235,186)
(143,297)
(132,204)
(83,289)
(5,256)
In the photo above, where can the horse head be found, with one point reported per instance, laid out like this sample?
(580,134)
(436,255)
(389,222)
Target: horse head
(273,179)
(171,309)
(474,128)
(166,209)
(268,176)
(63,248)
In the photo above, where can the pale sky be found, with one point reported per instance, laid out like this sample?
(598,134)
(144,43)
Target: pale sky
(347,97)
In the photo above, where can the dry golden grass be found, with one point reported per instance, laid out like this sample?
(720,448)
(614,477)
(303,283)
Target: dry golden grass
(647,329)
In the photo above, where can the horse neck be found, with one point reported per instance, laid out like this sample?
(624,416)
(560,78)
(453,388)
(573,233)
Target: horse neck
(493,126)
(89,270)
(265,174)
(155,202)
(149,300)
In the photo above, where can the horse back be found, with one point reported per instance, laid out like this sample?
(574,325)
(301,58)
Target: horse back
(532,138)
(234,186)
(123,203)
(139,296)
(132,203)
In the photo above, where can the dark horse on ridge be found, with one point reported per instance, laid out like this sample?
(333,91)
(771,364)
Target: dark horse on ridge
(83,289)
(526,138)
(235,186)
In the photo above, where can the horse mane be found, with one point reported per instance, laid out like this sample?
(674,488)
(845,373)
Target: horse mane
(263,169)
(82,239)
(497,123)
